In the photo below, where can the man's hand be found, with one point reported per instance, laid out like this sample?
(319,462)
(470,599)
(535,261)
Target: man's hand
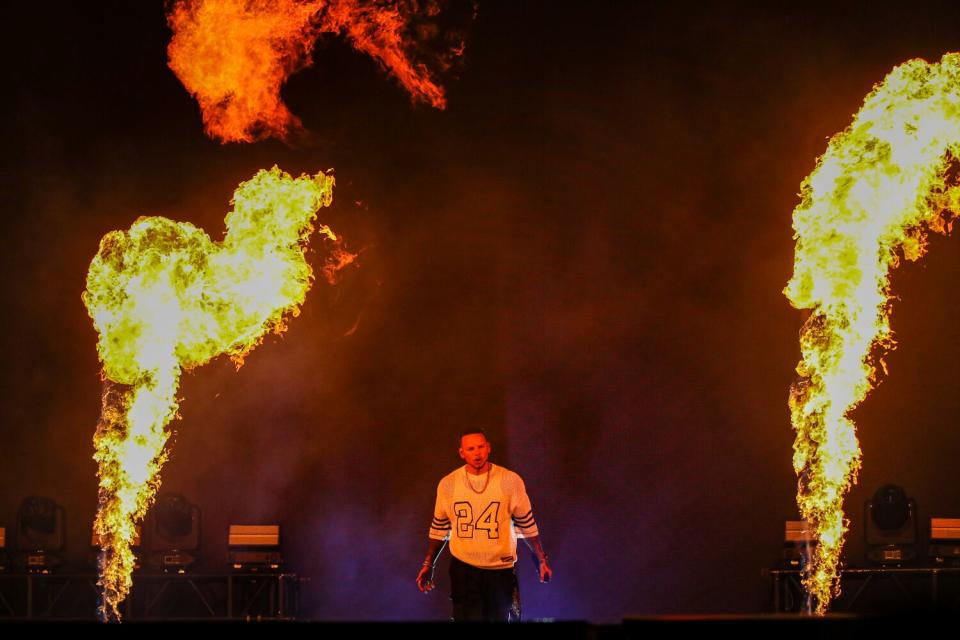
(540,557)
(545,571)
(425,578)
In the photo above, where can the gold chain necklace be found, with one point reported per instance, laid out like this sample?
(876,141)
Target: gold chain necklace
(485,482)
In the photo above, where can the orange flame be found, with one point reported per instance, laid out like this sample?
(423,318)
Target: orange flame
(339,259)
(235,55)
(164,297)
(878,189)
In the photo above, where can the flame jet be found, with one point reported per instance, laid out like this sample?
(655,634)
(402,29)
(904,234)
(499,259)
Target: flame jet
(881,186)
(234,55)
(164,297)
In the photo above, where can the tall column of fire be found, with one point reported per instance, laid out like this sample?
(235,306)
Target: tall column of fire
(878,189)
(164,298)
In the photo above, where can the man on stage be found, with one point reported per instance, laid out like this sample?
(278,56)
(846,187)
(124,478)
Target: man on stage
(482,508)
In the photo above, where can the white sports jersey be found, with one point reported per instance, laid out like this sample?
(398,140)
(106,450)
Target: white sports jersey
(483,527)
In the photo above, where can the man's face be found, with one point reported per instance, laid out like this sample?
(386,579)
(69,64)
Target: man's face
(475,450)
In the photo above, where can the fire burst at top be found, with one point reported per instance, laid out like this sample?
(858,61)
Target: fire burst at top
(164,298)
(879,188)
(234,55)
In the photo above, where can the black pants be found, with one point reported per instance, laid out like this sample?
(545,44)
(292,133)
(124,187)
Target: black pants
(486,595)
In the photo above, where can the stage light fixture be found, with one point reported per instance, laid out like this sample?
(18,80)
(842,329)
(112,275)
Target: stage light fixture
(945,540)
(891,526)
(41,534)
(174,533)
(254,548)
(798,542)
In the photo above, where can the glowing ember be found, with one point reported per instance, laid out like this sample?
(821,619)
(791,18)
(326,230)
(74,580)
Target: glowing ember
(234,55)
(880,186)
(164,297)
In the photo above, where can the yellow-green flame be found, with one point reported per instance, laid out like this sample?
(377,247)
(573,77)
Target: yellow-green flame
(164,297)
(878,189)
